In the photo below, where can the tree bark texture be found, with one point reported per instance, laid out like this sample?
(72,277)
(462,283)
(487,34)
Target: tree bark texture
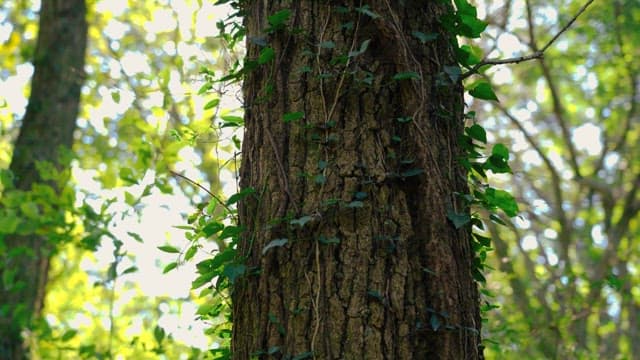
(47,126)
(359,187)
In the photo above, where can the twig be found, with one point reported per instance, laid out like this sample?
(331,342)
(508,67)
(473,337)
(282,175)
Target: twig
(201,187)
(535,55)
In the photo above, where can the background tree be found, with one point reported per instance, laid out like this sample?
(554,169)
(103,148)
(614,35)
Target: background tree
(351,155)
(568,267)
(45,133)
(139,118)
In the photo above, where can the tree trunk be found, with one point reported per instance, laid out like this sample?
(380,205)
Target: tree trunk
(47,126)
(359,186)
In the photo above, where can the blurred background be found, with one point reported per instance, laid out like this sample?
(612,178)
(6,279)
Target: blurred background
(157,142)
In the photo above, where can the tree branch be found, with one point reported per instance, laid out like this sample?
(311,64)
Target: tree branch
(535,55)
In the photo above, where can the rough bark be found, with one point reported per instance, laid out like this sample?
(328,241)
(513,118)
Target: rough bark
(376,271)
(47,126)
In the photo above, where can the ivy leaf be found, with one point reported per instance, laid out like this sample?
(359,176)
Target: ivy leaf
(424,38)
(469,55)
(483,91)
(363,48)
(477,132)
(458,220)
(266,55)
(435,322)
(411,172)
(230,232)
(367,11)
(274,243)
(503,200)
(301,221)
(453,72)
(239,196)
(406,75)
(500,150)
(327,44)
(212,228)
(234,271)
(278,20)
(293,116)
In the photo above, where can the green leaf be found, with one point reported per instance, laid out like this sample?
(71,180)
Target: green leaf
(477,132)
(327,44)
(278,20)
(293,116)
(159,334)
(211,104)
(471,26)
(234,271)
(453,72)
(320,179)
(424,38)
(232,120)
(9,223)
(304,355)
(355,204)
(127,175)
(469,55)
(30,209)
(500,150)
(135,236)
(230,232)
(115,96)
(367,11)
(205,308)
(203,279)
(191,252)
(411,172)
(204,88)
(6,178)
(363,48)
(170,266)
(458,220)
(274,243)
(130,270)
(211,228)
(129,198)
(483,91)
(406,75)
(68,335)
(435,322)
(300,221)
(503,200)
(169,249)
(266,55)
(241,195)
(360,195)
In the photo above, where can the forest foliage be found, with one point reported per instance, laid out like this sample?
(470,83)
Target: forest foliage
(155,160)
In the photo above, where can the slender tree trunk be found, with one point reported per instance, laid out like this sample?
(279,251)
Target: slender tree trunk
(47,126)
(359,187)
